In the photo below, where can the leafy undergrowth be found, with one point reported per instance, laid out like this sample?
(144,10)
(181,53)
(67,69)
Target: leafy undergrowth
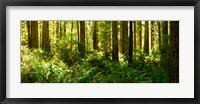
(38,66)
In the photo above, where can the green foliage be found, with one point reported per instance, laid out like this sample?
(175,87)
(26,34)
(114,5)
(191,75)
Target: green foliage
(64,64)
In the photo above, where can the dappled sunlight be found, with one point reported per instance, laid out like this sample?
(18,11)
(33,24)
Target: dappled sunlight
(99,51)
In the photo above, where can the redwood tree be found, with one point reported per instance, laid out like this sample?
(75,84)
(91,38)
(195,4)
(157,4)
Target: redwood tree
(124,36)
(29,33)
(95,36)
(174,52)
(114,41)
(146,40)
(130,44)
(34,34)
(45,36)
(82,38)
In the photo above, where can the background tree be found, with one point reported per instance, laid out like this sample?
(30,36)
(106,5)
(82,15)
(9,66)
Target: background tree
(29,33)
(146,40)
(58,30)
(82,38)
(159,35)
(125,36)
(72,27)
(164,45)
(138,35)
(153,34)
(95,36)
(78,34)
(45,36)
(34,34)
(115,56)
(135,34)
(105,38)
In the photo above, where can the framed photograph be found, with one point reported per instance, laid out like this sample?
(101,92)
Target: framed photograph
(73,51)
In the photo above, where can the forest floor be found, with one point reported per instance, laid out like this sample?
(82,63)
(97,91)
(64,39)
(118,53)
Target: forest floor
(38,66)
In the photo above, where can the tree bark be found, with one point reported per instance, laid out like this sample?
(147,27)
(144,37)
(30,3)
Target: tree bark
(135,45)
(34,34)
(164,45)
(174,52)
(130,45)
(82,38)
(159,36)
(146,41)
(153,34)
(45,36)
(58,30)
(114,42)
(138,35)
(72,26)
(124,37)
(29,33)
(95,36)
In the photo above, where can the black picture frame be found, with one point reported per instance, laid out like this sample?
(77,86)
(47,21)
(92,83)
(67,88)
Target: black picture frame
(4,3)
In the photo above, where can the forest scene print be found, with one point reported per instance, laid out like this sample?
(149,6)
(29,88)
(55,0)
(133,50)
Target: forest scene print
(98,51)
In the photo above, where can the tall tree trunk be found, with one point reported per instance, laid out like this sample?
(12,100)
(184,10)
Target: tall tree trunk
(152,34)
(82,38)
(120,36)
(135,46)
(164,45)
(54,31)
(45,36)
(78,35)
(61,29)
(130,44)
(58,30)
(34,34)
(65,30)
(159,36)
(146,41)
(125,37)
(29,33)
(40,32)
(139,35)
(95,36)
(72,25)
(114,41)
(174,52)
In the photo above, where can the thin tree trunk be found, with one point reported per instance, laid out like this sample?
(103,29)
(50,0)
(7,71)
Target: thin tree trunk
(135,46)
(71,36)
(61,29)
(152,34)
(130,45)
(58,30)
(146,41)
(140,33)
(65,30)
(78,35)
(95,36)
(159,36)
(29,33)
